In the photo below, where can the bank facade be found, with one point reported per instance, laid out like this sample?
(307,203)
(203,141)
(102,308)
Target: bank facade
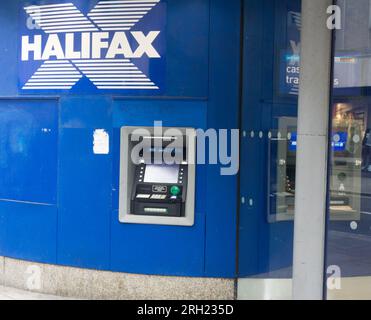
(78,77)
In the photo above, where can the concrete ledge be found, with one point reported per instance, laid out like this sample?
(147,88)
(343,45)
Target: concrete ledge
(91,284)
(265,289)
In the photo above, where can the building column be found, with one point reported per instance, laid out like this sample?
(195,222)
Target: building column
(312,153)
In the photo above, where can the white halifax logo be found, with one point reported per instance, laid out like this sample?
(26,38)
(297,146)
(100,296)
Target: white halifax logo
(104,58)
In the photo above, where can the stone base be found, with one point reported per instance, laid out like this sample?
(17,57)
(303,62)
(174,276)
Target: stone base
(91,284)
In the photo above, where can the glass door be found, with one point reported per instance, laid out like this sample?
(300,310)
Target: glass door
(268,147)
(349,226)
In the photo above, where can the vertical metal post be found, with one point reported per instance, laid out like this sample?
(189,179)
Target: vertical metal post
(312,153)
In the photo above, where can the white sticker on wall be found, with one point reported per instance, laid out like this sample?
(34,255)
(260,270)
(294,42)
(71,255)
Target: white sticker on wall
(101,142)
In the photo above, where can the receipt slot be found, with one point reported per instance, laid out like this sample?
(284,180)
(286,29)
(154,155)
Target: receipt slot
(157,176)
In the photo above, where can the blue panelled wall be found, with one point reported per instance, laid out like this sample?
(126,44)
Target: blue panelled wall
(59,200)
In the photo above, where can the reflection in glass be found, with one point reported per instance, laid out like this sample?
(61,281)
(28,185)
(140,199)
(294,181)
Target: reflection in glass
(349,230)
(268,155)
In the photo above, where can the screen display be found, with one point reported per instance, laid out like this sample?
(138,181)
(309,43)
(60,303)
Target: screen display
(293,142)
(339,142)
(161,173)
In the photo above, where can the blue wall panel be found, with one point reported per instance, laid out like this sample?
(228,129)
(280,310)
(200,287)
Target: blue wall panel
(28,170)
(84,184)
(222,195)
(187,48)
(28,150)
(167,250)
(28,231)
(9,48)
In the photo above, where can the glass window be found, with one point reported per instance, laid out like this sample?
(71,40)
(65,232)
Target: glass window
(268,147)
(349,226)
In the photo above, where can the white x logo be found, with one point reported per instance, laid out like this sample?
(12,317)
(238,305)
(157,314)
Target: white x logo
(108,73)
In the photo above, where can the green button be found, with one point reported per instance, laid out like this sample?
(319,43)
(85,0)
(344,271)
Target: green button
(175,190)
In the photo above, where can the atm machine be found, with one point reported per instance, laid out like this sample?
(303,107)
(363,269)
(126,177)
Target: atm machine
(345,177)
(157,176)
(159,190)
(281,168)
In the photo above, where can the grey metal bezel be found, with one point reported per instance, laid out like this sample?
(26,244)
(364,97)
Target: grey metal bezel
(127,169)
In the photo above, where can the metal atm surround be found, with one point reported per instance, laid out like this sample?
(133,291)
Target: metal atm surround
(127,177)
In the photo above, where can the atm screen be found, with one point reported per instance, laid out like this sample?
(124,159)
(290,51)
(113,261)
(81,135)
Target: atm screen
(161,173)
(339,142)
(293,142)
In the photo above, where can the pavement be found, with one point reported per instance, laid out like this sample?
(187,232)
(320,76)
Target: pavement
(16,294)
